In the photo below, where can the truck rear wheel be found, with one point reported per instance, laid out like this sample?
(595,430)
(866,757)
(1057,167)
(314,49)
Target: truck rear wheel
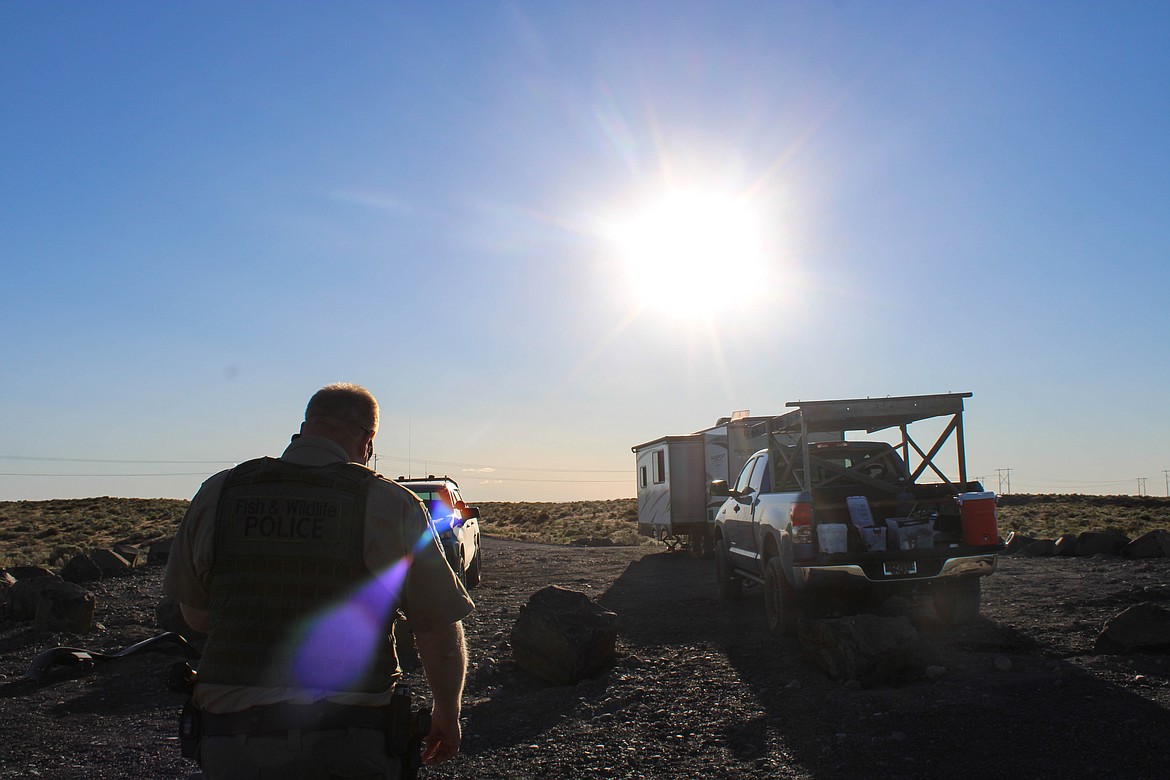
(471,579)
(957,602)
(779,599)
(730,587)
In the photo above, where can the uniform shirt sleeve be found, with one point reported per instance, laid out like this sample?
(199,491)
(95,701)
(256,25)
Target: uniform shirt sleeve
(431,596)
(189,564)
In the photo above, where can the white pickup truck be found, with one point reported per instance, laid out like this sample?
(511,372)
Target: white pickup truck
(818,523)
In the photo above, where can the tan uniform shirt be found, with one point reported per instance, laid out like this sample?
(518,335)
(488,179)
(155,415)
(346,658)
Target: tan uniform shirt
(396,526)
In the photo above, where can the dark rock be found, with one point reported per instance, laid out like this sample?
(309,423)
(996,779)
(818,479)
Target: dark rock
(593,541)
(111,563)
(563,636)
(1097,542)
(1041,548)
(132,553)
(26,593)
(865,648)
(19,573)
(1066,545)
(81,568)
(5,597)
(1142,628)
(64,606)
(1016,542)
(1155,544)
(159,552)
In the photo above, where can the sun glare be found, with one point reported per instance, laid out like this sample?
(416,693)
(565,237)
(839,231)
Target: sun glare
(680,251)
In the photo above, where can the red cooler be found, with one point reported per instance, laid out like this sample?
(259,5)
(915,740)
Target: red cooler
(978,513)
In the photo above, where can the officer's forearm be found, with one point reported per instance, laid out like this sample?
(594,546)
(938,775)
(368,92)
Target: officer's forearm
(444,659)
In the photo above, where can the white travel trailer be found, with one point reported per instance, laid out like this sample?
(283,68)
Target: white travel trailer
(674,475)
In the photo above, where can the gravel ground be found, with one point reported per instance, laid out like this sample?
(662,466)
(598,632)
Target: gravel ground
(699,690)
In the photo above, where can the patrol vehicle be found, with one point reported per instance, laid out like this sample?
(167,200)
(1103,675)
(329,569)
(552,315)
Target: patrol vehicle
(456,523)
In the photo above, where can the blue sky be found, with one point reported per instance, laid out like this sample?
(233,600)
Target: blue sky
(209,210)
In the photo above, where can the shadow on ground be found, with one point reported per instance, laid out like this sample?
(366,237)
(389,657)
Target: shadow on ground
(1041,718)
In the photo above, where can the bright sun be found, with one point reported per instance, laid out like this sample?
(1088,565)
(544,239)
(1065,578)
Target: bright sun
(681,249)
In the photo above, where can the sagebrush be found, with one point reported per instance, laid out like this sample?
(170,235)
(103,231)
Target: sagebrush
(49,532)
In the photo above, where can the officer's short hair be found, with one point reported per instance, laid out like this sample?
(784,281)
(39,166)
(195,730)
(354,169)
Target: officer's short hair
(345,401)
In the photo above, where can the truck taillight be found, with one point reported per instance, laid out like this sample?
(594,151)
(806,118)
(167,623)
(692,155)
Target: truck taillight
(801,517)
(800,513)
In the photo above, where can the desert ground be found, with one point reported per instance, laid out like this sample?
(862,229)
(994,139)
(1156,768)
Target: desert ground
(699,688)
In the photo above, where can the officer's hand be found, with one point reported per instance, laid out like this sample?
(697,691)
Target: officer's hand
(443,741)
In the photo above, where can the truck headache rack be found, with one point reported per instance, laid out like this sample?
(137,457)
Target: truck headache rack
(863,414)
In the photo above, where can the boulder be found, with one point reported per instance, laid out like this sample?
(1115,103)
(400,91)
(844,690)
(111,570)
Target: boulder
(26,593)
(28,572)
(64,606)
(593,541)
(1142,628)
(159,552)
(1155,544)
(5,597)
(81,568)
(563,636)
(1066,545)
(131,552)
(1041,548)
(112,564)
(869,649)
(1098,542)
(1016,542)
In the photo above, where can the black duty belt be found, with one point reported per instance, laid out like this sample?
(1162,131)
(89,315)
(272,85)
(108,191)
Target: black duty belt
(287,717)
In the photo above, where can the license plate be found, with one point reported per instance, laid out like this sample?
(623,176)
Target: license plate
(900,568)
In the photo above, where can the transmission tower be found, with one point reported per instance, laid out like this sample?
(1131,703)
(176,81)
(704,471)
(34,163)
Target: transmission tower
(1141,486)
(1005,478)
(1166,473)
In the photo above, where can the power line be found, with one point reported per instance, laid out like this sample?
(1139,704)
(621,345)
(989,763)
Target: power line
(79,476)
(486,478)
(108,460)
(415,459)
(398,458)
(559,481)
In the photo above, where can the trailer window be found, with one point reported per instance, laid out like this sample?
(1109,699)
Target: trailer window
(659,467)
(642,477)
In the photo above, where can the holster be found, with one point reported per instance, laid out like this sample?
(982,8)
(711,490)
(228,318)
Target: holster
(405,730)
(398,722)
(190,730)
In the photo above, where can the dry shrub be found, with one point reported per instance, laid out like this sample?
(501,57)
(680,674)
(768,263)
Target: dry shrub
(37,532)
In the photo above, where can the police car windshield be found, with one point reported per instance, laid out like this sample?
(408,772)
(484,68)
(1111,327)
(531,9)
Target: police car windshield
(437,501)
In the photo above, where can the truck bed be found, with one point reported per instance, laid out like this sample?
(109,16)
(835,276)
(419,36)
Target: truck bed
(936,499)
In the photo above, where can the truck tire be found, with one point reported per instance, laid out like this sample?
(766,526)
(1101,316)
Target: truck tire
(779,599)
(703,543)
(730,587)
(957,602)
(471,579)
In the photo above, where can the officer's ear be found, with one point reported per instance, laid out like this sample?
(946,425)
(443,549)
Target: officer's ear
(369,451)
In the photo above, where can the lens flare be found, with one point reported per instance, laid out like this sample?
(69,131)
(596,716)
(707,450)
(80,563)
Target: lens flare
(337,645)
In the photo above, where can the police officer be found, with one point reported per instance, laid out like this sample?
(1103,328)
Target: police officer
(295,567)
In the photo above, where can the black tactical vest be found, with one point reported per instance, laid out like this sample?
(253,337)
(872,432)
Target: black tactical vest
(289,543)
